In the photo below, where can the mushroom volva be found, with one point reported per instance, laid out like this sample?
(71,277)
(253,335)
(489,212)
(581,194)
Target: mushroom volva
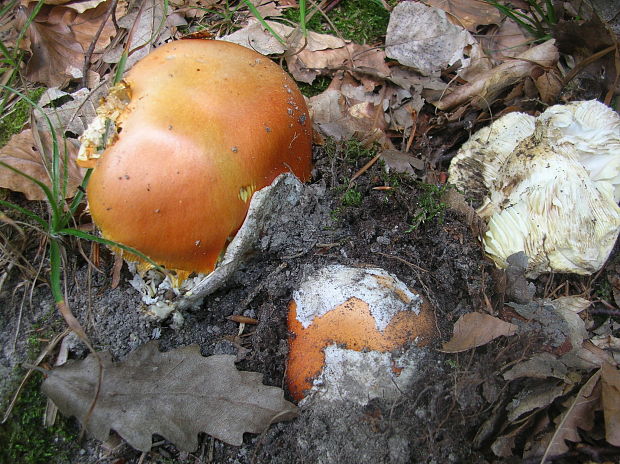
(200,125)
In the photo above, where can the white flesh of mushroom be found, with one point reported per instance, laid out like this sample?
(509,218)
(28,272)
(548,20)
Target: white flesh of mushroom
(549,185)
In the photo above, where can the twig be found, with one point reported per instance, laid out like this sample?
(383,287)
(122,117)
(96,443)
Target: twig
(582,64)
(364,168)
(93,44)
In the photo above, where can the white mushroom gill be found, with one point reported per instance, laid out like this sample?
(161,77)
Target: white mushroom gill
(549,186)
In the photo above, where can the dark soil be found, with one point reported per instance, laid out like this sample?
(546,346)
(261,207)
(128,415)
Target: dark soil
(434,421)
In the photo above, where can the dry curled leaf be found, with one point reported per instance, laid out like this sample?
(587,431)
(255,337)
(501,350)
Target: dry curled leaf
(369,63)
(476,329)
(468,13)
(59,38)
(533,399)
(75,114)
(256,37)
(422,37)
(177,394)
(149,26)
(23,154)
(489,85)
(579,414)
(610,377)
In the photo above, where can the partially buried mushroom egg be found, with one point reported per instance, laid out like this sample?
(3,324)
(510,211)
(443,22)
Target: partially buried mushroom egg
(201,125)
(356,334)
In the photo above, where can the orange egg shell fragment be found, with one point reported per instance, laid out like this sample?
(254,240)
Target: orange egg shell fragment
(209,123)
(351,325)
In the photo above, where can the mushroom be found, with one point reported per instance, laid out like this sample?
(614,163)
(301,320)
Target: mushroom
(200,126)
(549,186)
(350,328)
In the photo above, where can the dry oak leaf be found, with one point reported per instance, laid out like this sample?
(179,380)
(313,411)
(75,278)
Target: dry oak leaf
(610,377)
(23,154)
(177,394)
(149,23)
(78,5)
(256,37)
(59,37)
(578,415)
(422,38)
(468,13)
(476,329)
(306,65)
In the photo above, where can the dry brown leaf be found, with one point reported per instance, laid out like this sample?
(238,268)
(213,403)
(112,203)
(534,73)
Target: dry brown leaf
(74,115)
(508,41)
(192,8)
(609,344)
(334,117)
(610,377)
(256,37)
(589,356)
(580,414)
(306,65)
(58,39)
(78,5)
(22,153)
(549,85)
(177,394)
(476,329)
(576,304)
(533,399)
(540,366)
(268,8)
(614,280)
(488,86)
(149,26)
(399,161)
(346,110)
(421,37)
(468,13)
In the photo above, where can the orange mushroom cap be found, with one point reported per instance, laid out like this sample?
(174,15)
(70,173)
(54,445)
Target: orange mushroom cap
(352,323)
(207,124)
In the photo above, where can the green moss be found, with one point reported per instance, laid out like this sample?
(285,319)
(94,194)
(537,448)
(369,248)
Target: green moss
(603,290)
(429,205)
(13,121)
(352,197)
(362,21)
(349,150)
(24,438)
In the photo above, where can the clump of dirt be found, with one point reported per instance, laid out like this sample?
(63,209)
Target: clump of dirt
(436,256)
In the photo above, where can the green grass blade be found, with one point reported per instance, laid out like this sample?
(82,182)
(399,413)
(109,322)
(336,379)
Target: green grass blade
(551,16)
(7,54)
(55,271)
(52,196)
(93,238)
(79,195)
(302,17)
(7,7)
(260,18)
(33,15)
(47,192)
(541,14)
(120,68)
(520,18)
(26,212)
